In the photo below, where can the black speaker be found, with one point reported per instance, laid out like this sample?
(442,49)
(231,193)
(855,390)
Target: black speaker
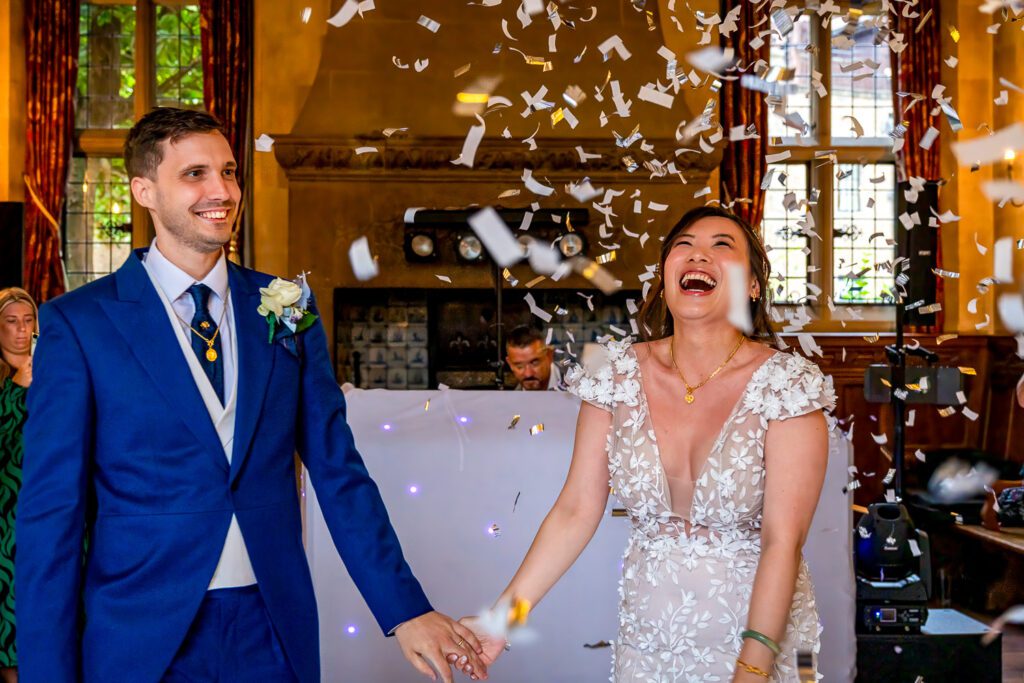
(12,229)
(948,650)
(919,246)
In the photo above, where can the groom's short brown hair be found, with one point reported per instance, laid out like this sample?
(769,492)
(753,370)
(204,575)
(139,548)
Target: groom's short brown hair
(142,150)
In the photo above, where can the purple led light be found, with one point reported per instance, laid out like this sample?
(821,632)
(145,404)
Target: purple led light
(386,427)
(413,490)
(463,419)
(351,630)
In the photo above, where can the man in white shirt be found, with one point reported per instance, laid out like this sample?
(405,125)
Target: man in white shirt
(167,404)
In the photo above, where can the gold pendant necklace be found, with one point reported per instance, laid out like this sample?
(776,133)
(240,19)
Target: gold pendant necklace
(211,353)
(689,398)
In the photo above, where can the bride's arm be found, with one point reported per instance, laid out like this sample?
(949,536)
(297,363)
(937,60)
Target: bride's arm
(795,454)
(573,519)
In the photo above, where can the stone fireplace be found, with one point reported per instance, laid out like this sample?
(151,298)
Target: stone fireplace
(347,178)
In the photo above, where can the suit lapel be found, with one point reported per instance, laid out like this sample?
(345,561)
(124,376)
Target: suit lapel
(255,363)
(139,316)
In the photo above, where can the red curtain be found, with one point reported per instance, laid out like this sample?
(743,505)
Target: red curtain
(743,165)
(51,61)
(226,28)
(917,70)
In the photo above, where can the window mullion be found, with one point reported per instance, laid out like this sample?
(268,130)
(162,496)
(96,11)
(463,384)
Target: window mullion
(145,97)
(823,37)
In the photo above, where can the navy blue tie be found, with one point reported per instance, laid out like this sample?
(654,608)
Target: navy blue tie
(209,355)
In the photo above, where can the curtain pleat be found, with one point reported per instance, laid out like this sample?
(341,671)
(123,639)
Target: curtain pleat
(743,163)
(51,64)
(226,28)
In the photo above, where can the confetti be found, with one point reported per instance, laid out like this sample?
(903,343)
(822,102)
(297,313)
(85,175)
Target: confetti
(494,530)
(991,148)
(1003,190)
(514,422)
(497,239)
(443,278)
(615,44)
(536,429)
(739,308)
(470,145)
(364,265)
(263,143)
(345,14)
(535,309)
(428,23)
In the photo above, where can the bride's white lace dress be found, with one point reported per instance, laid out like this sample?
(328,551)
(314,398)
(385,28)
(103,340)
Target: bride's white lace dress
(686,582)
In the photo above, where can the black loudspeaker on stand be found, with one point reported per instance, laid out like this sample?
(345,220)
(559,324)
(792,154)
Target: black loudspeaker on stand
(12,221)
(920,246)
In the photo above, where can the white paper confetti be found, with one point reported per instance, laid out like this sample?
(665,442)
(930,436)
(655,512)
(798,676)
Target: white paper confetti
(988,149)
(428,23)
(364,266)
(739,308)
(345,14)
(264,143)
(496,237)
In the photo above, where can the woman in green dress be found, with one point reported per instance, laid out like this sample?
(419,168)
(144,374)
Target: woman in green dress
(18,328)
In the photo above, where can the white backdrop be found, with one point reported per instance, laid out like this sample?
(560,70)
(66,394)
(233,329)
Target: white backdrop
(450,472)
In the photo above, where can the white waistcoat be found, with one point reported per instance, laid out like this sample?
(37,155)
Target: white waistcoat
(234,568)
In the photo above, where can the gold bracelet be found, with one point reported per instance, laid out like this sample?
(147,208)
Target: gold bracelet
(751,669)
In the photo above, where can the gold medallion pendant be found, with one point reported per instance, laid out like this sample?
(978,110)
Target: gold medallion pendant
(211,355)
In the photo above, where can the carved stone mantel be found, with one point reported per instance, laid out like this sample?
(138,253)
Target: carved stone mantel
(414,158)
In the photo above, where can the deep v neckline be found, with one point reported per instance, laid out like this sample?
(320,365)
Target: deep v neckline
(649,420)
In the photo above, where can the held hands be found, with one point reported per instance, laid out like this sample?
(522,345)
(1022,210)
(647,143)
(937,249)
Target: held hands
(492,646)
(433,640)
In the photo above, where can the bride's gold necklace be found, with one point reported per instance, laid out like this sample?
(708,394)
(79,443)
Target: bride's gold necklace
(689,390)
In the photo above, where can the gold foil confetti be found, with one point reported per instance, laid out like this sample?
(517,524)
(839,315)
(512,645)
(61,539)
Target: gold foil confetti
(518,612)
(946,412)
(967,371)
(945,338)
(426,406)
(607,258)
(537,429)
(514,422)
(954,34)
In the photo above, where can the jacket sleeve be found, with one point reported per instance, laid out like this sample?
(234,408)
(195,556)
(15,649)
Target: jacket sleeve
(51,510)
(349,498)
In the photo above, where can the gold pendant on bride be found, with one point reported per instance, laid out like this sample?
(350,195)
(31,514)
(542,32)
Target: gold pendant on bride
(689,397)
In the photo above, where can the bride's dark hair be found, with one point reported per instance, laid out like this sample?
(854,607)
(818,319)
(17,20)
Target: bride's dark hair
(654,319)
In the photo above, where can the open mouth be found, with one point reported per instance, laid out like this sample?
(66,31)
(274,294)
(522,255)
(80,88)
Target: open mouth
(695,282)
(215,215)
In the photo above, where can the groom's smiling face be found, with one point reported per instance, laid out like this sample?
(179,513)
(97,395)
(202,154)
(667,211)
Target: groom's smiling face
(194,193)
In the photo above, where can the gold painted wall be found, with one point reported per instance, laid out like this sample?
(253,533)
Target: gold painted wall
(12,101)
(982,59)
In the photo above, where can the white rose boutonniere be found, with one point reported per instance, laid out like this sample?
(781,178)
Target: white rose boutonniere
(284,304)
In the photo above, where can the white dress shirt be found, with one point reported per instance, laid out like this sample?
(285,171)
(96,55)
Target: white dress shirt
(172,284)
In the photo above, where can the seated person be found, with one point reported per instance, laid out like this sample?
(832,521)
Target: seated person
(532,361)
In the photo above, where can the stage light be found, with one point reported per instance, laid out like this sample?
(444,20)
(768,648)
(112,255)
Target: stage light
(571,244)
(420,247)
(469,249)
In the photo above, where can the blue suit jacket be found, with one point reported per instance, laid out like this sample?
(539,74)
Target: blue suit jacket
(119,443)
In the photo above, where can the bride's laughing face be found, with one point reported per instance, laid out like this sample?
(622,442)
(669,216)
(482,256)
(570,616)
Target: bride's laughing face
(696,267)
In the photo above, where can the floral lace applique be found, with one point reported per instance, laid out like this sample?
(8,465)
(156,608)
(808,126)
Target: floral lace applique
(685,590)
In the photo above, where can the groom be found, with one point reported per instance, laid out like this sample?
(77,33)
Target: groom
(159,535)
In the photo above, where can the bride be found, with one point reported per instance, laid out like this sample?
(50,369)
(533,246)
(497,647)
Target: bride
(716,444)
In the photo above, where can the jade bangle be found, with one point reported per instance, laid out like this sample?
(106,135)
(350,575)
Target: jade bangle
(763,639)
